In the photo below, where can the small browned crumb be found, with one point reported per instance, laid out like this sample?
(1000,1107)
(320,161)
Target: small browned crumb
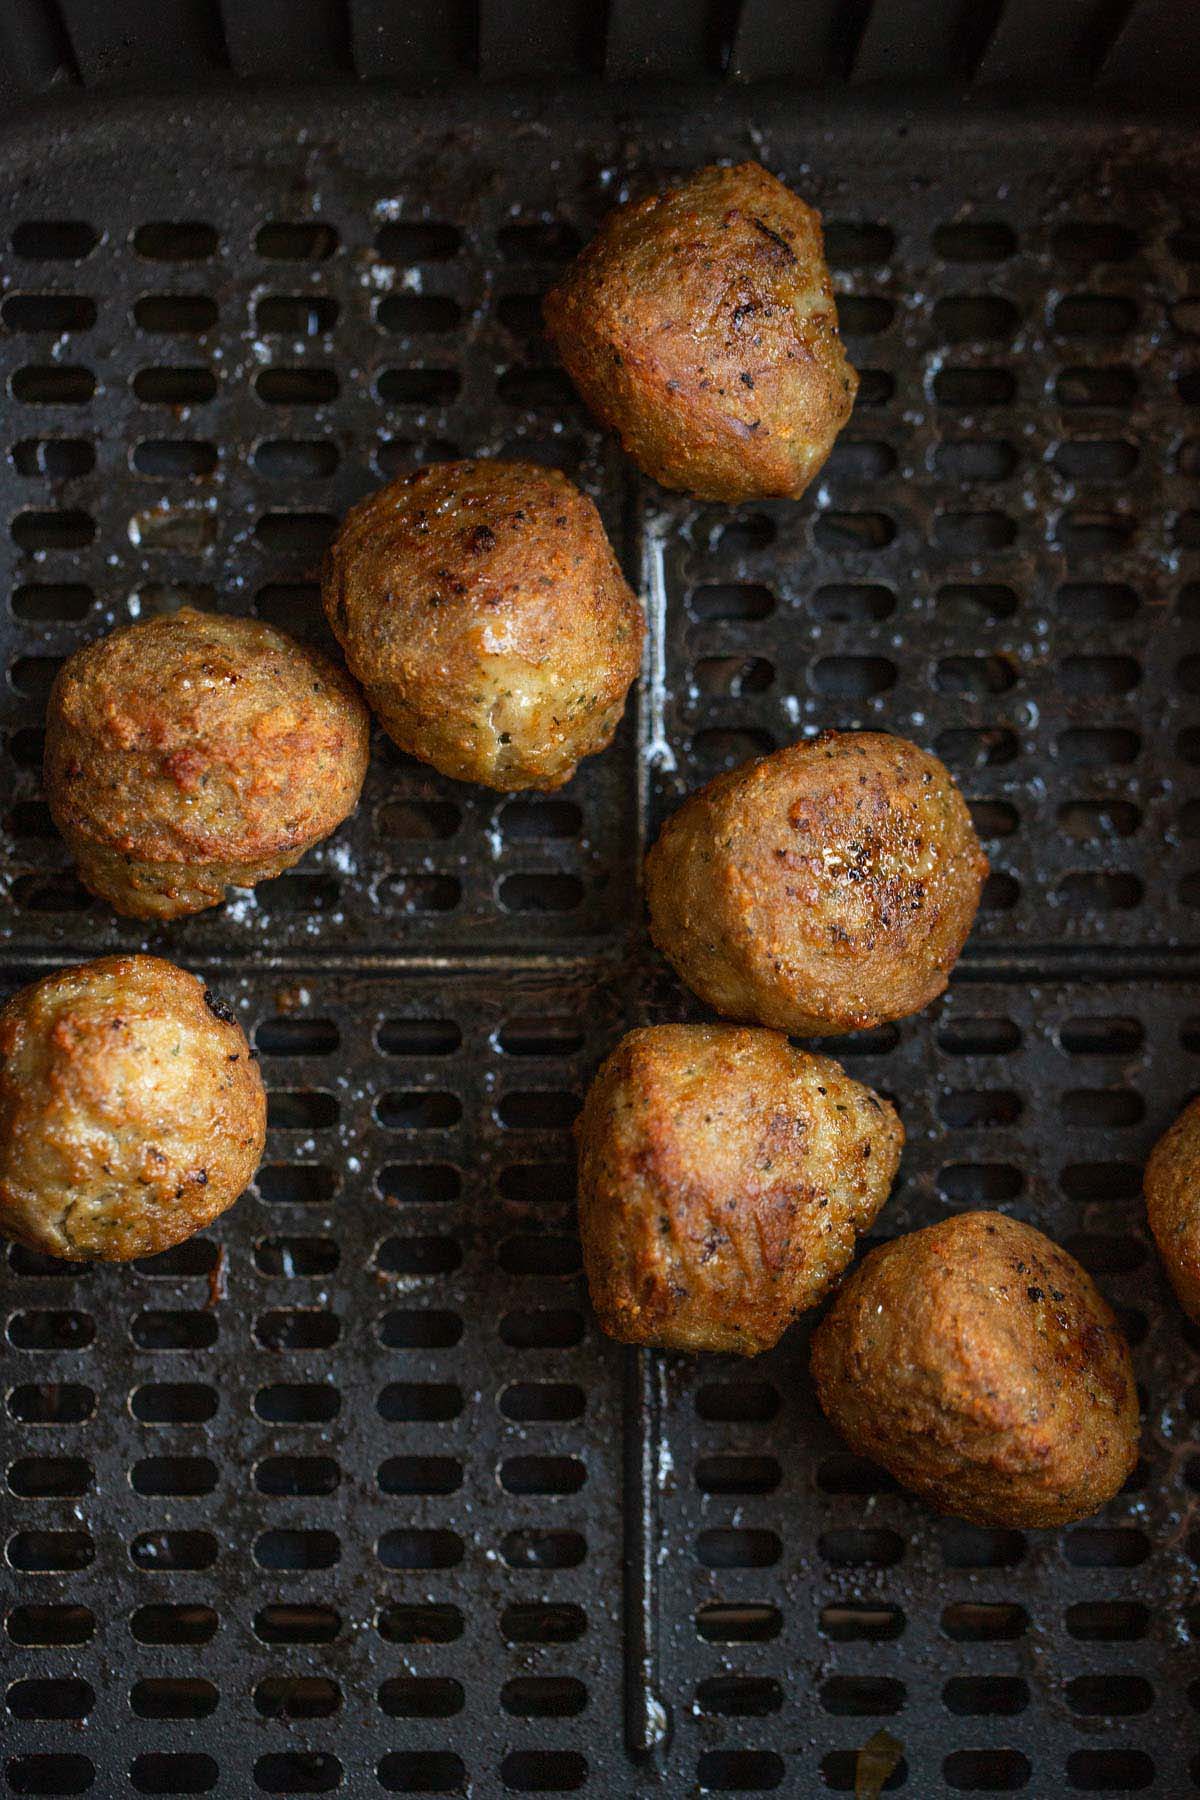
(195,752)
(1172,1188)
(132,1112)
(291,999)
(700,325)
(977,1363)
(218,1279)
(824,888)
(482,609)
(724,1176)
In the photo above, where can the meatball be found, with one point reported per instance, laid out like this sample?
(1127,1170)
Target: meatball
(482,608)
(723,1178)
(823,888)
(131,1110)
(1172,1188)
(700,325)
(195,752)
(976,1361)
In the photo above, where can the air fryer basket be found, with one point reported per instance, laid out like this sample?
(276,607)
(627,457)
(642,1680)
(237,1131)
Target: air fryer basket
(349,1492)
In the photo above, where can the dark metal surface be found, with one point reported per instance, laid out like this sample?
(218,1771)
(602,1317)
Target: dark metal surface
(350,1492)
(1138,46)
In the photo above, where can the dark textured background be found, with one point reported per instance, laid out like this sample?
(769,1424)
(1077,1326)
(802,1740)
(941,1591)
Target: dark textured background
(1040,46)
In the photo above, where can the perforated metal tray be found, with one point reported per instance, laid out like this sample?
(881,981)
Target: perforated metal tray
(349,1492)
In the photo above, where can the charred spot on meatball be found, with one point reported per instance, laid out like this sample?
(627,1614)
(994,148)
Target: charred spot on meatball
(825,888)
(1001,1399)
(131,1111)
(485,615)
(220,1009)
(195,752)
(700,325)
(724,1176)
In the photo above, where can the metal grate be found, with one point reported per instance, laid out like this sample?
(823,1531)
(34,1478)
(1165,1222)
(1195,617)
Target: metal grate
(349,1492)
(1135,46)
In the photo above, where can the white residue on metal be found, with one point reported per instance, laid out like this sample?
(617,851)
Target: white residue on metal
(407,1284)
(188,526)
(656,1719)
(241,906)
(341,856)
(658,752)
(666,1463)
(380,276)
(761,142)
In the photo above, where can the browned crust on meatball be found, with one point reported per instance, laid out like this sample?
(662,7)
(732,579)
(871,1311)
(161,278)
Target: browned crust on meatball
(195,752)
(482,609)
(976,1362)
(1172,1189)
(823,888)
(131,1111)
(724,1176)
(700,325)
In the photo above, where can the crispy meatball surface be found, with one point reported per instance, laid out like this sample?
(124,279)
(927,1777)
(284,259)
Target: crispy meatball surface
(194,752)
(1172,1189)
(131,1110)
(823,888)
(976,1361)
(481,607)
(700,325)
(723,1178)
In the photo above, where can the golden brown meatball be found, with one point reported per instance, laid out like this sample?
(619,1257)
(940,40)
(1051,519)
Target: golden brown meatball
(700,325)
(976,1361)
(1172,1188)
(820,889)
(131,1111)
(195,752)
(723,1178)
(482,609)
